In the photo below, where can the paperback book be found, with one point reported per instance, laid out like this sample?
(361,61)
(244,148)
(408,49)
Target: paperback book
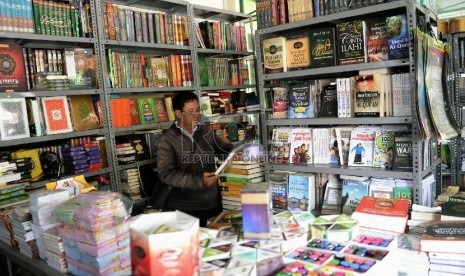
(322,47)
(301,192)
(361,146)
(301,105)
(274,55)
(297,51)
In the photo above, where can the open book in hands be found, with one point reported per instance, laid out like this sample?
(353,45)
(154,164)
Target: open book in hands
(237,151)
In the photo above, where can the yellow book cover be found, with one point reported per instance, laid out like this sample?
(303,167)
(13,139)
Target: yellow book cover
(297,51)
(34,155)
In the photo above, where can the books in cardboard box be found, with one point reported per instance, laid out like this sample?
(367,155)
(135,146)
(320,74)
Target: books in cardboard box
(13,121)
(12,73)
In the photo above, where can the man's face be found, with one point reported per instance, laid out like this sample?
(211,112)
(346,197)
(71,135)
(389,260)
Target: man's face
(190,115)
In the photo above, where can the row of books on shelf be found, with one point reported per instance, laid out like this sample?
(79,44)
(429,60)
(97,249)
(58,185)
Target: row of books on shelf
(47,17)
(76,156)
(227,102)
(385,146)
(364,95)
(128,70)
(217,71)
(126,23)
(277,12)
(47,69)
(221,35)
(21,117)
(351,42)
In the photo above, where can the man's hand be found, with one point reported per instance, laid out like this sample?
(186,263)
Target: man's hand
(209,178)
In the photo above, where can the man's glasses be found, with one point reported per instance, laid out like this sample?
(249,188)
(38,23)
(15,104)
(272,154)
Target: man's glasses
(192,112)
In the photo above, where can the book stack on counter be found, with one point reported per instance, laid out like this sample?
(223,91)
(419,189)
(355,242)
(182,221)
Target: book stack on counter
(409,259)
(94,156)
(422,216)
(21,220)
(444,241)
(235,177)
(75,160)
(54,251)
(130,181)
(453,210)
(13,194)
(125,153)
(95,233)
(41,204)
(7,173)
(24,167)
(6,232)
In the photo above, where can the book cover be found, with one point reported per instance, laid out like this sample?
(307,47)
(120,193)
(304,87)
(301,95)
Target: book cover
(280,145)
(343,143)
(377,46)
(280,103)
(368,102)
(274,55)
(159,68)
(169,107)
(301,192)
(322,47)
(301,146)
(351,42)
(297,51)
(352,193)
(81,67)
(12,70)
(361,147)
(162,115)
(384,207)
(147,110)
(397,36)
(403,151)
(329,101)
(383,151)
(83,113)
(403,192)
(332,200)
(134,108)
(139,143)
(278,183)
(301,105)
(454,209)
(13,119)
(56,114)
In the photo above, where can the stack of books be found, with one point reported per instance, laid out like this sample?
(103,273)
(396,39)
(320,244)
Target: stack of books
(55,253)
(21,220)
(125,153)
(130,181)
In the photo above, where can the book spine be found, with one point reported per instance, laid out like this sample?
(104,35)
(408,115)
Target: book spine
(145,27)
(150,27)
(138,25)
(122,24)
(162,28)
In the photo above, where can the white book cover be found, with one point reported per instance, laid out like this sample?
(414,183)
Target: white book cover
(13,119)
(343,143)
(348,97)
(321,141)
(301,146)
(361,146)
(340,88)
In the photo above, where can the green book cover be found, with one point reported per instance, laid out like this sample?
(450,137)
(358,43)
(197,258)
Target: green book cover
(147,111)
(13,188)
(455,209)
(322,47)
(203,70)
(403,192)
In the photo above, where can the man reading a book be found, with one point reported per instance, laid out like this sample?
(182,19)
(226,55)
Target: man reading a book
(186,162)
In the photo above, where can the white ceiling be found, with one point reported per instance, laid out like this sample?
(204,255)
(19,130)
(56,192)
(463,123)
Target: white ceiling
(450,8)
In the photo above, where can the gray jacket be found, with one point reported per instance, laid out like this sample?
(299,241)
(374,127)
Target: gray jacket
(181,163)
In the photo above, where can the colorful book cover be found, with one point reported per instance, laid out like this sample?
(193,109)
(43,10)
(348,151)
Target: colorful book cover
(383,154)
(135,118)
(280,145)
(352,193)
(169,107)
(81,67)
(147,110)
(351,42)
(274,55)
(12,70)
(13,119)
(361,147)
(280,103)
(82,113)
(300,101)
(397,36)
(329,101)
(161,110)
(297,51)
(57,115)
(278,183)
(403,192)
(301,192)
(322,47)
(301,146)
(368,102)
(159,68)
(377,46)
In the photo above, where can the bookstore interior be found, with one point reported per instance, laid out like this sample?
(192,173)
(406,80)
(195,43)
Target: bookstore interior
(342,119)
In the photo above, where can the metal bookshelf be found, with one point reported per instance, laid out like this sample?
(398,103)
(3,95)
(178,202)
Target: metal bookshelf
(144,46)
(210,13)
(226,87)
(224,52)
(137,164)
(31,94)
(150,89)
(392,8)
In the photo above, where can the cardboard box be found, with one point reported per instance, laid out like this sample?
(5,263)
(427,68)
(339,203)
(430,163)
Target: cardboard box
(165,244)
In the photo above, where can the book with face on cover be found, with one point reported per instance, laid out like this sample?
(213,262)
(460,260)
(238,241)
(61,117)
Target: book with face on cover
(57,115)
(13,119)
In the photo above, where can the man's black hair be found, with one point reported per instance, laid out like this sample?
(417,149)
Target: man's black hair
(181,98)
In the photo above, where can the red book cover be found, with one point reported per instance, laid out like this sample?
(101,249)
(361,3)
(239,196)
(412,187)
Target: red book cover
(383,206)
(57,114)
(135,120)
(161,110)
(12,71)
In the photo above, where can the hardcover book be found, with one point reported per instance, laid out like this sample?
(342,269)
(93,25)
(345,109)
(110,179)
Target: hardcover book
(301,146)
(322,47)
(12,72)
(377,46)
(274,55)
(134,108)
(351,42)
(301,192)
(297,51)
(397,36)
(161,110)
(82,113)
(147,110)
(159,68)
(329,101)
(301,105)
(368,96)
(56,114)
(13,119)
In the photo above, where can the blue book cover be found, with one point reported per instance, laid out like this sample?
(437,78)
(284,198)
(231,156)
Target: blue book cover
(397,34)
(300,104)
(301,192)
(352,193)
(279,190)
